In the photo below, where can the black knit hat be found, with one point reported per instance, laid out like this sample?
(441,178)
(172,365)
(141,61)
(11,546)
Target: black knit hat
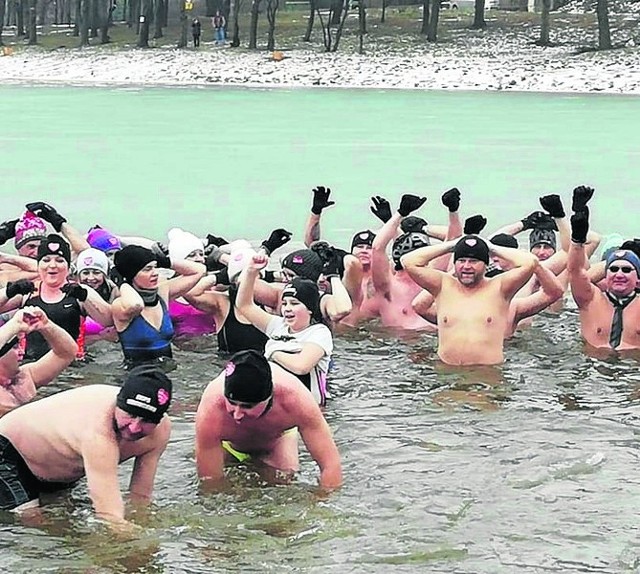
(542,236)
(146,393)
(305,263)
(365,237)
(54,244)
(504,240)
(247,378)
(130,260)
(472,247)
(307,293)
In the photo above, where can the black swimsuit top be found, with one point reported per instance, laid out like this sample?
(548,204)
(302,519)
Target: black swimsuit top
(235,336)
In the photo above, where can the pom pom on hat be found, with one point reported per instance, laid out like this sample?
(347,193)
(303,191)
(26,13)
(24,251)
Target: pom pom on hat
(29,227)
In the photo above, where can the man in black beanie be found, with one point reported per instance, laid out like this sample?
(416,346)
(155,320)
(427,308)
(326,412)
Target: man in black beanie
(472,310)
(253,411)
(50,444)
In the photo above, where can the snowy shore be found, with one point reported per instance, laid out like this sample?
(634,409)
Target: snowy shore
(487,61)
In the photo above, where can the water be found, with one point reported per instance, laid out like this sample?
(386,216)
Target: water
(528,468)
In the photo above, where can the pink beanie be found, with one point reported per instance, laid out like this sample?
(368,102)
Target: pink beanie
(29,227)
(103,240)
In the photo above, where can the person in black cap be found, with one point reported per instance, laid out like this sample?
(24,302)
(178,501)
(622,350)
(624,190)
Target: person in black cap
(140,313)
(298,340)
(50,444)
(472,310)
(253,411)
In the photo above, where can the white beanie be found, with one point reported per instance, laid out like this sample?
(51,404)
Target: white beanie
(93,259)
(181,243)
(238,260)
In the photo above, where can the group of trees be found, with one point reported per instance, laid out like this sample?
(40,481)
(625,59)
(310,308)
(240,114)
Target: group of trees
(92,19)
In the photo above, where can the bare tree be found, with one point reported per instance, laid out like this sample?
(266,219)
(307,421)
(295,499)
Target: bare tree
(272,11)
(424,29)
(604,32)
(331,35)
(544,24)
(2,12)
(78,18)
(20,18)
(158,18)
(85,16)
(362,25)
(182,41)
(145,23)
(478,16)
(253,23)
(33,34)
(383,12)
(234,9)
(432,29)
(310,21)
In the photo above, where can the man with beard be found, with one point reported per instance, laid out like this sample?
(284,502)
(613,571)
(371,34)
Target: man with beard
(472,310)
(609,318)
(50,444)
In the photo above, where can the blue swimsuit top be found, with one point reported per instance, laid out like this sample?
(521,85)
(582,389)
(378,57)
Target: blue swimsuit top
(142,342)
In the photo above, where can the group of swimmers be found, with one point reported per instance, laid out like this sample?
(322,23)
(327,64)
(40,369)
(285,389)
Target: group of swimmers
(64,289)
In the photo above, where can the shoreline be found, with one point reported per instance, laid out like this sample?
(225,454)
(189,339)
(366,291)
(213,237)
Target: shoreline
(481,62)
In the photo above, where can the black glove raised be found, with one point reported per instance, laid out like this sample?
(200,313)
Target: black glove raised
(48,213)
(321,199)
(332,259)
(451,199)
(413,224)
(632,245)
(474,225)
(7,230)
(277,239)
(381,208)
(76,291)
(19,287)
(581,196)
(533,220)
(580,226)
(409,203)
(552,204)
(215,240)
(161,251)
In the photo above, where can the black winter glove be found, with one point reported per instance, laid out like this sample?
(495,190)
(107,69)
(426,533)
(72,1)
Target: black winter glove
(381,208)
(76,291)
(409,203)
(581,196)
(632,245)
(277,239)
(321,199)
(451,199)
(161,251)
(116,277)
(19,287)
(7,230)
(580,226)
(533,220)
(222,276)
(474,225)
(48,213)
(332,259)
(215,240)
(413,224)
(552,204)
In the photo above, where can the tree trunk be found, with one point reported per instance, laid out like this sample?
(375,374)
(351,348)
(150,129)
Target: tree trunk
(145,17)
(33,34)
(362,25)
(432,30)
(84,22)
(344,10)
(253,25)
(78,17)
(544,23)
(104,15)
(2,12)
(424,29)
(158,18)
(604,32)
(478,16)
(383,14)
(20,19)
(234,8)
(310,21)
(210,8)
(182,41)
(336,12)
(94,18)
(272,11)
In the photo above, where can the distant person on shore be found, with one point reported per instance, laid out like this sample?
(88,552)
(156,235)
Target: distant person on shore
(253,411)
(18,384)
(50,444)
(196,30)
(218,22)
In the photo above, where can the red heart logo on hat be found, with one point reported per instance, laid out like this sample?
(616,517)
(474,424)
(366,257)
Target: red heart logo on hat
(113,241)
(88,260)
(471,242)
(298,259)
(228,370)
(54,246)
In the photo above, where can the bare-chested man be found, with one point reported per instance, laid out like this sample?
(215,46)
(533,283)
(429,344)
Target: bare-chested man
(473,311)
(48,445)
(18,384)
(609,318)
(255,410)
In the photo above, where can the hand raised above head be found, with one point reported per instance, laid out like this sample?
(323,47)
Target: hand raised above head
(552,204)
(451,199)
(581,196)
(381,208)
(321,199)
(410,203)
(474,225)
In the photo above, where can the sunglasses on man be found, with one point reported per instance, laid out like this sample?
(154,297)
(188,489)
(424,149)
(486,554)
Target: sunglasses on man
(626,269)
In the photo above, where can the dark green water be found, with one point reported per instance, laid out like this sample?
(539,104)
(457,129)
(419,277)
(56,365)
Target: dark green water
(528,468)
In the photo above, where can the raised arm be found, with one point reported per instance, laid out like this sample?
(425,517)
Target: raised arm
(582,289)
(244,300)
(523,265)
(320,202)
(551,290)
